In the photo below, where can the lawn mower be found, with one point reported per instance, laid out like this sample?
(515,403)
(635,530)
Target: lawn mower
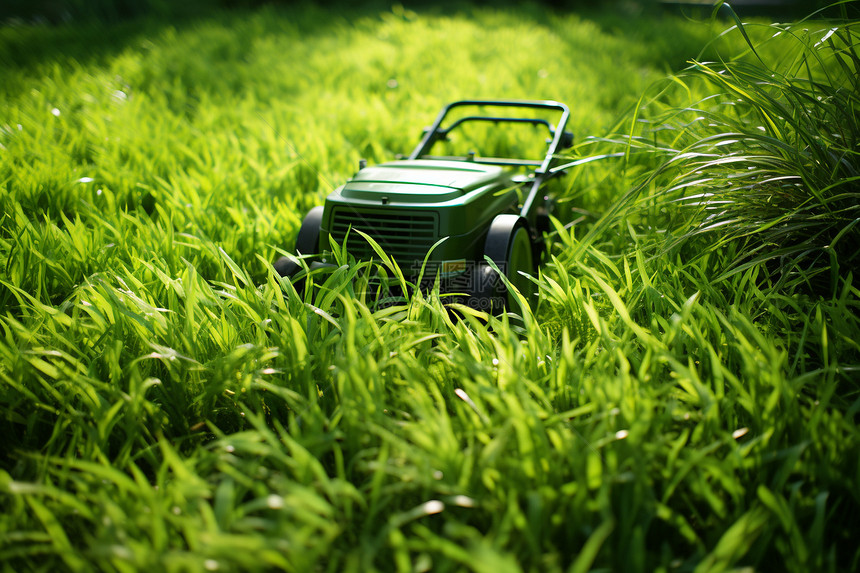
(478,178)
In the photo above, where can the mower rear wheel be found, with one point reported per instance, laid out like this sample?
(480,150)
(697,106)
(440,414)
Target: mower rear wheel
(510,246)
(307,242)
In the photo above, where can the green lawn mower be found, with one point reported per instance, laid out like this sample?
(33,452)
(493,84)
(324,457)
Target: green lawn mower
(478,178)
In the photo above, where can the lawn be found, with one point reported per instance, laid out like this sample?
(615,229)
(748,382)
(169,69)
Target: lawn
(684,397)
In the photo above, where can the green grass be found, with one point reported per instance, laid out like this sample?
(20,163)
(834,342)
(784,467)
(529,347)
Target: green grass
(678,401)
(765,156)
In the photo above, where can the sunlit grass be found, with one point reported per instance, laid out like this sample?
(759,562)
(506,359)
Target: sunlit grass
(764,156)
(169,403)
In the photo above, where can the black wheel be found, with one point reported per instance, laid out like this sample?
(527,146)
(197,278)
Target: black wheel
(307,242)
(509,245)
(285,267)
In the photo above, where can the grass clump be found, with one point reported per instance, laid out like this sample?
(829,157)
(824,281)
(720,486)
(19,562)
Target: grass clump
(767,158)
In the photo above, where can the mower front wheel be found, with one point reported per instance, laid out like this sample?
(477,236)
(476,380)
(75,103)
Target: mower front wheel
(307,242)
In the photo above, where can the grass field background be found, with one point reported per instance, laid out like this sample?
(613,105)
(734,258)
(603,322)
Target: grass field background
(682,398)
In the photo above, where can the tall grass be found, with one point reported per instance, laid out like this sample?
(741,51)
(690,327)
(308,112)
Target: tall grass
(765,156)
(169,402)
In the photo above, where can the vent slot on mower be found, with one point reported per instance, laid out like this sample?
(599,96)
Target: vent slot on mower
(405,236)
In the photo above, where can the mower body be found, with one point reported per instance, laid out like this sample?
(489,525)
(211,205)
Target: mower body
(407,206)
